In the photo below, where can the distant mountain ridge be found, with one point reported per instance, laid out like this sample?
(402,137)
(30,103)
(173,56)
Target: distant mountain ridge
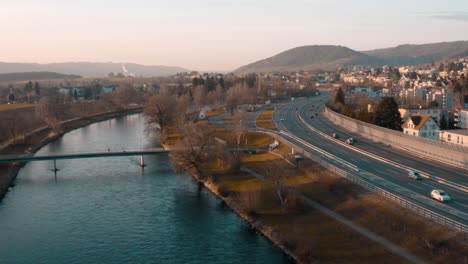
(410,54)
(34,76)
(329,57)
(91,69)
(325,57)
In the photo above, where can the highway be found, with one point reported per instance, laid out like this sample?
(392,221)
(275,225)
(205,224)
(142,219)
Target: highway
(383,166)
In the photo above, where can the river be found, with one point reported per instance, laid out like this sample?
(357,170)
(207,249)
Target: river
(109,210)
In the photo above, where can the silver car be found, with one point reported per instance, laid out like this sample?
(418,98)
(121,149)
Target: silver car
(440,195)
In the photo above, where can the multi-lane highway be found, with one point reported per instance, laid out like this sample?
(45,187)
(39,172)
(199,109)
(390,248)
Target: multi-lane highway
(383,166)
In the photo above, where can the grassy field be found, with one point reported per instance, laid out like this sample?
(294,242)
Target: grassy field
(7,107)
(313,236)
(265,121)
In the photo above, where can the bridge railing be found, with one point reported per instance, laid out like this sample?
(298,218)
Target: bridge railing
(436,217)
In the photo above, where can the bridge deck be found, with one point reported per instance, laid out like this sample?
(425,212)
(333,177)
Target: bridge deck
(123,153)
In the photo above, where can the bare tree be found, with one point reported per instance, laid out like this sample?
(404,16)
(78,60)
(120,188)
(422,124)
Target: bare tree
(51,109)
(240,126)
(160,112)
(15,125)
(196,148)
(199,96)
(125,95)
(276,176)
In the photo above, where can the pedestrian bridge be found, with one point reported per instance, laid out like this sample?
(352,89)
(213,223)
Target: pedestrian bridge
(87,155)
(82,155)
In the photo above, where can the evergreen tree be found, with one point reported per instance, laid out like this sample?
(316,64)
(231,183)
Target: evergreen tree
(441,67)
(443,123)
(387,114)
(221,83)
(11,97)
(28,88)
(37,89)
(339,97)
(75,94)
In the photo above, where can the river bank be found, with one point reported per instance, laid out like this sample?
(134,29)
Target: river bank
(37,139)
(306,234)
(216,190)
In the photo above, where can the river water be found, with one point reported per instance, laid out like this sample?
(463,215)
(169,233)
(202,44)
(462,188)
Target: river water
(108,210)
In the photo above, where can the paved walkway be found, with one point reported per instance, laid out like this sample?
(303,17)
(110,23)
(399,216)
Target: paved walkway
(390,246)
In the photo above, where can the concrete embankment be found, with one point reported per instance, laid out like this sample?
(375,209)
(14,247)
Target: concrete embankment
(41,137)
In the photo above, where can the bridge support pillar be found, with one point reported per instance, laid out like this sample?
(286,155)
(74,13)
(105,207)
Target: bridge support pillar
(142,161)
(55,166)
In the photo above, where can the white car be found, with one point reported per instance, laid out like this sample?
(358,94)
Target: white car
(440,195)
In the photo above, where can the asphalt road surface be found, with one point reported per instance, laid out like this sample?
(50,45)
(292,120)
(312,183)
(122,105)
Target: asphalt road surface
(382,165)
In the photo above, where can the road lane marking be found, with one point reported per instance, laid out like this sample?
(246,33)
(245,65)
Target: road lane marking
(390,162)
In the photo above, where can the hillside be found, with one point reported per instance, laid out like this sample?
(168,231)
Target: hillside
(32,76)
(90,69)
(327,57)
(324,57)
(420,54)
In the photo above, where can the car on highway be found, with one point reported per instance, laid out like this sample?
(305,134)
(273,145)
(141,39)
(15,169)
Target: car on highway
(440,195)
(350,141)
(336,135)
(415,175)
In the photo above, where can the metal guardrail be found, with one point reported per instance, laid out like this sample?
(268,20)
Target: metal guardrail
(371,187)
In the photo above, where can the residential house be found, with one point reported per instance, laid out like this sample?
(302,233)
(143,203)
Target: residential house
(457,136)
(435,113)
(421,126)
(72,91)
(108,89)
(461,119)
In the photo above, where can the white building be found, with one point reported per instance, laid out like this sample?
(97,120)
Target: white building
(435,113)
(457,136)
(461,119)
(421,126)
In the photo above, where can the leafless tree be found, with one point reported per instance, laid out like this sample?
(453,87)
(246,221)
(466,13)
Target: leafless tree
(276,176)
(240,126)
(15,125)
(51,109)
(199,96)
(125,95)
(160,112)
(196,148)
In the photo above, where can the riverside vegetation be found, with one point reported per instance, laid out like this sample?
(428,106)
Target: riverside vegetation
(266,190)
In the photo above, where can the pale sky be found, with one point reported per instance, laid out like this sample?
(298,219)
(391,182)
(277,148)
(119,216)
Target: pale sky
(211,35)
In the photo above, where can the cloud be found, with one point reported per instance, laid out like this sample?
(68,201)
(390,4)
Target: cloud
(460,16)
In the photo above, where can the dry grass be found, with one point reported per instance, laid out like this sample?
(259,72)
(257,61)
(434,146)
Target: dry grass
(249,139)
(7,107)
(316,238)
(265,121)
(214,113)
(171,139)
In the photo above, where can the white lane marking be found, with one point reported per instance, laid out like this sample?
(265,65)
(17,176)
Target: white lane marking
(390,162)
(417,187)
(461,204)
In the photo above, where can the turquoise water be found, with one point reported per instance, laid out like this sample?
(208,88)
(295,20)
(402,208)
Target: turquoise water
(108,210)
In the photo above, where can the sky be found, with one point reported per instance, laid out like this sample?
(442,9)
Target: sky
(215,35)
